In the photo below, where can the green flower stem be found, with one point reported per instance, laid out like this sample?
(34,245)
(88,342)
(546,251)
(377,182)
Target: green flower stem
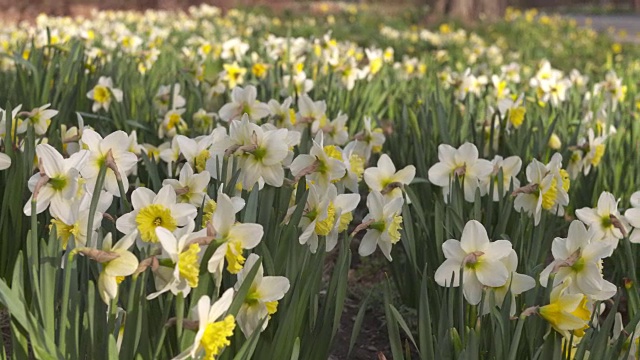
(94,202)
(123,196)
(179,315)
(65,301)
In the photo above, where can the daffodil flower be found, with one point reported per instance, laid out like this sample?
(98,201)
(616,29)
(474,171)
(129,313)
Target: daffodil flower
(190,188)
(369,140)
(567,312)
(386,180)
(261,300)
(547,189)
(383,224)
(62,182)
(172,123)
(633,217)
(322,165)
(516,284)
(99,148)
(103,93)
(510,168)
(579,257)
(605,220)
(114,271)
(152,211)
(39,118)
(480,259)
(213,333)
(319,217)
(179,267)
(195,151)
(73,218)
(464,164)
(166,93)
(233,237)
(243,101)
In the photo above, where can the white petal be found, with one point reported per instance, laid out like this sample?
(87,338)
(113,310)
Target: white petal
(474,237)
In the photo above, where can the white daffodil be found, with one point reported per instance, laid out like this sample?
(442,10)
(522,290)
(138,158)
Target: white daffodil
(354,164)
(282,115)
(172,123)
(151,211)
(594,148)
(190,188)
(179,266)
(195,151)
(73,218)
(243,101)
(463,163)
(261,300)
(605,220)
(317,220)
(517,284)
(310,111)
(343,206)
(5,161)
(547,189)
(260,151)
(579,257)
(168,95)
(510,168)
(114,271)
(633,217)
(40,118)
(369,140)
(479,259)
(103,93)
(100,148)
(15,122)
(386,180)
(323,164)
(233,237)
(212,335)
(62,183)
(335,131)
(383,224)
(170,154)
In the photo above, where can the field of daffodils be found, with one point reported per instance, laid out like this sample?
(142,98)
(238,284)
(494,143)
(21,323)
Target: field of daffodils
(197,184)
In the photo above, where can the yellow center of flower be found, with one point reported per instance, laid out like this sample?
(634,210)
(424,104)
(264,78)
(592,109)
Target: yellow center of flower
(345,220)
(333,152)
(599,152)
(64,231)
(119,279)
(356,163)
(207,213)
(188,265)
(201,160)
(216,336)
(101,94)
(259,70)
(272,307)
(549,196)
(375,65)
(174,121)
(516,116)
(323,228)
(394,228)
(566,182)
(152,216)
(292,116)
(234,257)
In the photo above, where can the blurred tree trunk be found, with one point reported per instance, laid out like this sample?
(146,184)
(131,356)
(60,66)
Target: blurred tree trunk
(467,10)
